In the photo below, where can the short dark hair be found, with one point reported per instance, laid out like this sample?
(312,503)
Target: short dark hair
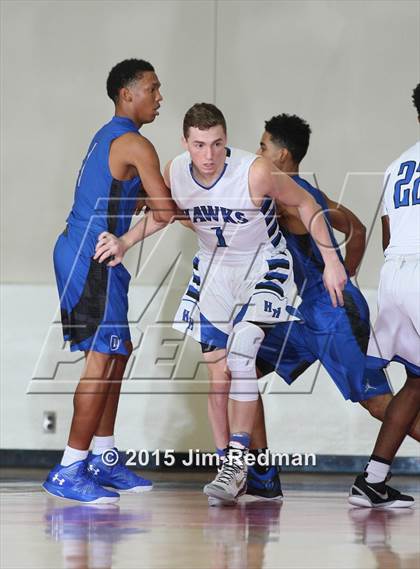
(203,116)
(125,73)
(416,98)
(291,132)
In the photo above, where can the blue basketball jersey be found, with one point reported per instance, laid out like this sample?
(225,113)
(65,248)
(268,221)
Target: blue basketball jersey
(101,202)
(93,296)
(308,265)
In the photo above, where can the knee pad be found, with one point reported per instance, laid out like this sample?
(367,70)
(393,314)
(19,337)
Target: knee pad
(246,339)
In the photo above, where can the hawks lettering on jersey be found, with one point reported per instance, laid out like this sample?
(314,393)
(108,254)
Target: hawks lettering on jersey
(203,213)
(226,220)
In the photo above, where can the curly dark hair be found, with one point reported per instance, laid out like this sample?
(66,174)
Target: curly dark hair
(125,73)
(291,132)
(203,116)
(416,98)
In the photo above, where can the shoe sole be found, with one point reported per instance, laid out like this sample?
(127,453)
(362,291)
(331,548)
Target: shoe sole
(361,502)
(217,502)
(135,490)
(103,500)
(219,497)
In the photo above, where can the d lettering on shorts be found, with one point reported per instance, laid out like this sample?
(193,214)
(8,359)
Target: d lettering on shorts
(114,343)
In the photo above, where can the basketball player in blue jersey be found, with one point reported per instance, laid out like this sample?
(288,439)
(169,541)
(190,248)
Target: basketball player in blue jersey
(120,171)
(337,338)
(396,336)
(242,274)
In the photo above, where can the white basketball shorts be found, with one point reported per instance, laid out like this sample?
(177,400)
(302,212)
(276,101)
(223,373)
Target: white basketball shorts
(396,334)
(219,295)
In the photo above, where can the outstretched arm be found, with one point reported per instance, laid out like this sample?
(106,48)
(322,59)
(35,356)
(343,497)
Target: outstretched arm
(110,246)
(137,151)
(345,221)
(266,180)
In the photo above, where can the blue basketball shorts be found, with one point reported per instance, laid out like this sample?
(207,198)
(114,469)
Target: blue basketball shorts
(93,297)
(337,337)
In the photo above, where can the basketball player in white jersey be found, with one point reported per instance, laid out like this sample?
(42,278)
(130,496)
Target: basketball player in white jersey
(396,335)
(242,276)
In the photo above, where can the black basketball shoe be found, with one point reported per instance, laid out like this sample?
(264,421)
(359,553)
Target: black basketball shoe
(264,484)
(377,495)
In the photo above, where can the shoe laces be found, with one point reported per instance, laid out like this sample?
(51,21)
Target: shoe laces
(229,470)
(90,478)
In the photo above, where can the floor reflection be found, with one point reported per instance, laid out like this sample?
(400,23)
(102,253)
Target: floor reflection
(175,528)
(374,528)
(239,535)
(88,533)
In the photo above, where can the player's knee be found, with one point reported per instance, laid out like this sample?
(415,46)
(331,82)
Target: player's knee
(377,406)
(219,384)
(245,342)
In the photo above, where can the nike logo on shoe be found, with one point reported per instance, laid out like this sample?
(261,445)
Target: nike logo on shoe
(382,496)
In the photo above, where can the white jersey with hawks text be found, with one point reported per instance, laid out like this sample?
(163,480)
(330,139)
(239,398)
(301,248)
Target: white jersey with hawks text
(401,202)
(228,225)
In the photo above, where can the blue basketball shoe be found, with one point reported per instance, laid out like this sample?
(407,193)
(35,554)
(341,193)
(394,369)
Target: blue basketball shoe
(264,485)
(74,483)
(109,470)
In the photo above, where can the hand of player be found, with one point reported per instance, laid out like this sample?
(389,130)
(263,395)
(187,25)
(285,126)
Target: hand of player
(335,279)
(110,246)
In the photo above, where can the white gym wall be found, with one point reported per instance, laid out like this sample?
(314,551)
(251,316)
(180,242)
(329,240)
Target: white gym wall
(347,67)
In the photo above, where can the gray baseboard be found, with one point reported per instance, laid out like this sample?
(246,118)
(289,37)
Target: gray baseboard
(325,463)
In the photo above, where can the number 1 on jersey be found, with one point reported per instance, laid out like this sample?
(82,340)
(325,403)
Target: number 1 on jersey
(220,239)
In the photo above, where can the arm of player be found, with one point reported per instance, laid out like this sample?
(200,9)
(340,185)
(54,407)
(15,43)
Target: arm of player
(140,153)
(266,180)
(345,221)
(386,232)
(109,245)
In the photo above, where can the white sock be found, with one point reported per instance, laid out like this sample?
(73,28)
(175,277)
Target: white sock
(73,455)
(101,444)
(377,471)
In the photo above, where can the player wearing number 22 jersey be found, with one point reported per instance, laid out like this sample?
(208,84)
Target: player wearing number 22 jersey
(397,329)
(396,335)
